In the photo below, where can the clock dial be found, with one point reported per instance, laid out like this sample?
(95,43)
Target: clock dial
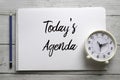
(101,46)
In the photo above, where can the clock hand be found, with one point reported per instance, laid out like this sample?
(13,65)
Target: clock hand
(98,43)
(104,44)
(99,46)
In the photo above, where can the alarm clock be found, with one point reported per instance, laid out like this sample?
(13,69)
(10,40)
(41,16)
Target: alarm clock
(100,46)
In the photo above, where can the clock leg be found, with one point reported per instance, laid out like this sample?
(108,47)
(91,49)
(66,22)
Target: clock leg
(106,62)
(88,57)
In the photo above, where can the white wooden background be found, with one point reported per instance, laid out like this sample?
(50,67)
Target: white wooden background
(113,25)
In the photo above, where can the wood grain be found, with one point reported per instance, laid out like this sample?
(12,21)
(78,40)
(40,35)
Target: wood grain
(112,68)
(113,25)
(57,77)
(112,6)
(4,29)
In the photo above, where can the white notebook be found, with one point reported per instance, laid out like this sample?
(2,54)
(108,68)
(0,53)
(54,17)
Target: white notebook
(53,38)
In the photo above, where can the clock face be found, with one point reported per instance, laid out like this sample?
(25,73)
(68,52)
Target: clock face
(101,46)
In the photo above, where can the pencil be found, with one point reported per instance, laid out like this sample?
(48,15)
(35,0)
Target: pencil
(10,40)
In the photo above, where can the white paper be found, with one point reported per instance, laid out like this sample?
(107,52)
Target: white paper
(31,37)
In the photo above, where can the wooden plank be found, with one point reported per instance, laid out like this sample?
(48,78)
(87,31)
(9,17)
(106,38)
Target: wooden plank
(112,68)
(112,6)
(112,26)
(57,77)
(4,29)
(4,59)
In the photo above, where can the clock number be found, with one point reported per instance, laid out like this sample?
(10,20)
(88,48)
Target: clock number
(102,34)
(107,37)
(96,34)
(89,48)
(97,56)
(92,52)
(89,42)
(111,48)
(92,37)
(110,42)
(108,53)
(104,56)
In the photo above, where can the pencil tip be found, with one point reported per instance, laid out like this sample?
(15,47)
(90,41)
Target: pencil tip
(10,65)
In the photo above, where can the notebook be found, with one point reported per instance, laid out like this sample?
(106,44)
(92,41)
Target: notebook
(53,38)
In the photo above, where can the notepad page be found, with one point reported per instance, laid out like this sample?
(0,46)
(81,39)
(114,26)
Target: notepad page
(53,38)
